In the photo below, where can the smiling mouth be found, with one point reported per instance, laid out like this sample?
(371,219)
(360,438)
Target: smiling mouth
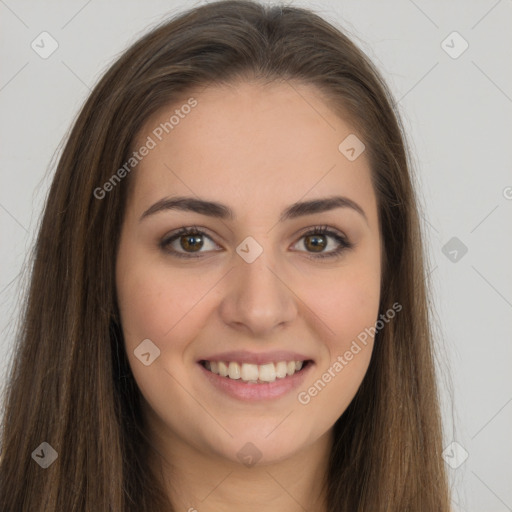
(255,373)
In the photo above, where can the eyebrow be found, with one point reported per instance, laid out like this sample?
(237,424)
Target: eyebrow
(221,211)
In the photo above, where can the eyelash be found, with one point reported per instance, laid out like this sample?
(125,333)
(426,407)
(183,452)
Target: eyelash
(343,242)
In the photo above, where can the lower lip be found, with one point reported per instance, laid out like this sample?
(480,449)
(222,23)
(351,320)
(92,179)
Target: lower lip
(252,392)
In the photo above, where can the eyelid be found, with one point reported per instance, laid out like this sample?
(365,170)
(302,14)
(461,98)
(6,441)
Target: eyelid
(322,228)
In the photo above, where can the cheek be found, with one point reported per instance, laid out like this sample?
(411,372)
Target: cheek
(348,304)
(158,305)
(154,303)
(350,313)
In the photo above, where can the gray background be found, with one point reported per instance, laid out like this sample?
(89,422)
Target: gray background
(457,112)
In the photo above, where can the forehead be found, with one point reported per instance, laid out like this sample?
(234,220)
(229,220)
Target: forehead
(249,142)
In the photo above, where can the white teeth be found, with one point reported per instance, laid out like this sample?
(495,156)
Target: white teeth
(267,372)
(253,373)
(249,372)
(281,370)
(223,369)
(234,370)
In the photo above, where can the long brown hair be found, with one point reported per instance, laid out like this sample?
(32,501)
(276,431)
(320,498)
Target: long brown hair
(70,384)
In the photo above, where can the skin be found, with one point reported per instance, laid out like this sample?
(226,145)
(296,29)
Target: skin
(258,149)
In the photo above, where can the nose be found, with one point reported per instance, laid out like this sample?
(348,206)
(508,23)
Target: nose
(258,300)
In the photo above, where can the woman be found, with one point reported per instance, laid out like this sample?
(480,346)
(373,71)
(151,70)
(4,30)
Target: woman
(227,308)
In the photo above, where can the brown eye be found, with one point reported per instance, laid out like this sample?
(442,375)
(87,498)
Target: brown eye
(191,242)
(324,242)
(316,243)
(188,242)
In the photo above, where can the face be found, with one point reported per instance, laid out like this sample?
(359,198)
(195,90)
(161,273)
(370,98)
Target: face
(253,285)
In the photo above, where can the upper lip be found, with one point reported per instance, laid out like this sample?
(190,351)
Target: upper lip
(243,356)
